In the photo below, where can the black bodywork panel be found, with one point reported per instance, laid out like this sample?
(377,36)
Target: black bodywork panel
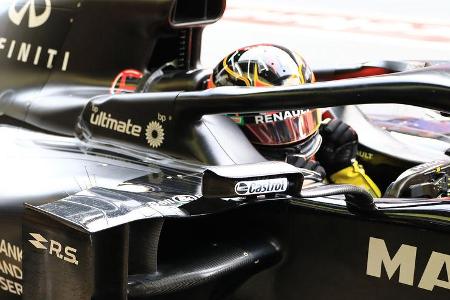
(106,196)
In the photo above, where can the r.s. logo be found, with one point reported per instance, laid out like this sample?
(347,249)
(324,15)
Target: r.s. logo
(54,248)
(17,15)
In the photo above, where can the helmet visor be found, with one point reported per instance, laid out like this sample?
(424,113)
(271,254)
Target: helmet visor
(281,128)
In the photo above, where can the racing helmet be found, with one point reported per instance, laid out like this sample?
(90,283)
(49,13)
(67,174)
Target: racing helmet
(267,65)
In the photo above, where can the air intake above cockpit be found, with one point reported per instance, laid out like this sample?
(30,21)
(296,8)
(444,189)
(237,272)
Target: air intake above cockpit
(189,13)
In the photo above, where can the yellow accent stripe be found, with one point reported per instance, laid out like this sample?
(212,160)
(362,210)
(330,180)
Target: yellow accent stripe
(232,73)
(302,78)
(256,80)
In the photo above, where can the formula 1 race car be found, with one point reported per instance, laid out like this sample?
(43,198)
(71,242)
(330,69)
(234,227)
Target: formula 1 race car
(121,178)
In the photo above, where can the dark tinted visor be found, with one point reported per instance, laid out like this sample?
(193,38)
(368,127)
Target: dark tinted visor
(280,128)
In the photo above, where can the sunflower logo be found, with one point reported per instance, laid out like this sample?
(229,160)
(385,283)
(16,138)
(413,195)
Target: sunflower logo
(154,134)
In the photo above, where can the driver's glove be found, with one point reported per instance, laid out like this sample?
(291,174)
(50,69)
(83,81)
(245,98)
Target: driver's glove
(300,162)
(339,146)
(337,155)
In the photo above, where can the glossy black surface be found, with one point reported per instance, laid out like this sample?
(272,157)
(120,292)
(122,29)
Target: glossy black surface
(101,196)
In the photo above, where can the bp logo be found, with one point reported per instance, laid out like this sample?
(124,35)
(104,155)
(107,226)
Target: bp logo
(36,17)
(154,134)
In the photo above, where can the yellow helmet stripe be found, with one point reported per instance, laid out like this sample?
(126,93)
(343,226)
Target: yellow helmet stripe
(232,73)
(256,80)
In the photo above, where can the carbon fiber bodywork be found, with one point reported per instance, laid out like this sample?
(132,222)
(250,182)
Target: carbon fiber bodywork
(106,196)
(153,235)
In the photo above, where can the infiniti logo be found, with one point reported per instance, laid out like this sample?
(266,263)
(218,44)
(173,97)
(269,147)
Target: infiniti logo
(37,12)
(29,6)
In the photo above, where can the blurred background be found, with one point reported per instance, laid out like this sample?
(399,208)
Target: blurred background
(332,33)
(344,33)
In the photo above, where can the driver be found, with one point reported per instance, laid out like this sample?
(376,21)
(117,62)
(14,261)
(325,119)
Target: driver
(299,137)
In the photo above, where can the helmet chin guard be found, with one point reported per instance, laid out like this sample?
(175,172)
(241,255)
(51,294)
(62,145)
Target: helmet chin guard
(305,149)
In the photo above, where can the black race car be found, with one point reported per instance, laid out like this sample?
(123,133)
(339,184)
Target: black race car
(115,185)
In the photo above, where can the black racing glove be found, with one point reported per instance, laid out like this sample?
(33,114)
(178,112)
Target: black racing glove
(339,146)
(310,164)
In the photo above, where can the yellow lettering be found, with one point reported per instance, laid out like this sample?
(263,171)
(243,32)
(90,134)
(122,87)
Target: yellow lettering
(3,247)
(434,267)
(10,250)
(10,286)
(70,255)
(55,249)
(404,259)
(3,285)
(19,288)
